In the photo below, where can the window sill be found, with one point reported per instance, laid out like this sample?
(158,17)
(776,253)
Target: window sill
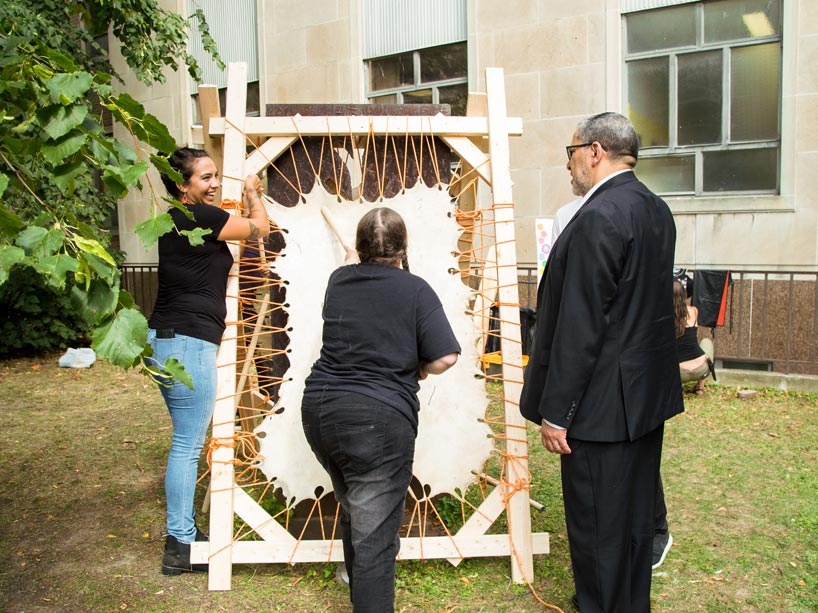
(734,203)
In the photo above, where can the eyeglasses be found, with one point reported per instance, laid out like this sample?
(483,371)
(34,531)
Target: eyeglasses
(570,149)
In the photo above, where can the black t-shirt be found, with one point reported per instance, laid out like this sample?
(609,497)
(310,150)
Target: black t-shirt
(380,322)
(193,280)
(687,345)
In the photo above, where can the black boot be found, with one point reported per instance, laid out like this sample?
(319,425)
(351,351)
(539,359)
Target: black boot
(177,557)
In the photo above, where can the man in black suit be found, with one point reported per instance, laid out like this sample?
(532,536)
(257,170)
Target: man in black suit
(603,375)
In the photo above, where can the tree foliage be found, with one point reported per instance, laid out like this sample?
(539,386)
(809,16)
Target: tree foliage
(60,173)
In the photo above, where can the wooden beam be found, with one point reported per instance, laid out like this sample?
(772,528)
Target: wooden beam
(389,124)
(414,548)
(516,483)
(222,476)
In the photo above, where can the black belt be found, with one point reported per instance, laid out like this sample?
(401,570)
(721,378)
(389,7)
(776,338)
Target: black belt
(166,333)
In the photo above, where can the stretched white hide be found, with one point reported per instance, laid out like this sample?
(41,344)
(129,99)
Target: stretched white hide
(452,441)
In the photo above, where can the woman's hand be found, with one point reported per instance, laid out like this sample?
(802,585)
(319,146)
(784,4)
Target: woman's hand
(255,224)
(253,184)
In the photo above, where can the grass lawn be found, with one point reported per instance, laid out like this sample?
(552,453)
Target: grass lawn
(82,456)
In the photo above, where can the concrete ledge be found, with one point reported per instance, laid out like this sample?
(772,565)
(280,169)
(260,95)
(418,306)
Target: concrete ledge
(733,377)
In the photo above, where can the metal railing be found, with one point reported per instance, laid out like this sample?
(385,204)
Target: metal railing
(142,282)
(771,320)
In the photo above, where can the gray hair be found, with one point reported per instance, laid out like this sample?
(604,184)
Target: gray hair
(614,132)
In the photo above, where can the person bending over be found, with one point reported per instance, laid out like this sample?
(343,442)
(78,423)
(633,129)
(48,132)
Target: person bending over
(384,330)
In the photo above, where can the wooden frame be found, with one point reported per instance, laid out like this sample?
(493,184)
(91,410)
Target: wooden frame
(228,135)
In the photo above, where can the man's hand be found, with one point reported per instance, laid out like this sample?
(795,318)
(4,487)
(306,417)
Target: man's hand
(554,439)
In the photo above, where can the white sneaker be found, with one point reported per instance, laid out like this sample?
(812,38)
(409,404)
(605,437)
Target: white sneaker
(341,574)
(661,545)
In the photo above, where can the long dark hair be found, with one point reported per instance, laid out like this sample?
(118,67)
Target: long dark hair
(381,238)
(679,307)
(181,161)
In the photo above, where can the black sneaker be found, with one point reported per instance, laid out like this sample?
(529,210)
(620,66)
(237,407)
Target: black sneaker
(661,545)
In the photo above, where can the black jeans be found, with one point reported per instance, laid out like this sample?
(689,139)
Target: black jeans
(368,449)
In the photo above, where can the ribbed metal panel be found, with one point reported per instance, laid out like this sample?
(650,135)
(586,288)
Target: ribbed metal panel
(233,26)
(395,26)
(630,6)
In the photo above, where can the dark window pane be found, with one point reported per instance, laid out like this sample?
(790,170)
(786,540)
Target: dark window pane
(253,99)
(390,72)
(387,99)
(456,96)
(700,98)
(665,29)
(421,96)
(740,19)
(668,174)
(648,100)
(755,89)
(444,62)
(741,170)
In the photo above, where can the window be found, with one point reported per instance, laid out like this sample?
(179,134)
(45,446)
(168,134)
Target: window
(436,75)
(703,89)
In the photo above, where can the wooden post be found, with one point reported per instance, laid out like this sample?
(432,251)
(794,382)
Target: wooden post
(222,473)
(516,481)
(209,107)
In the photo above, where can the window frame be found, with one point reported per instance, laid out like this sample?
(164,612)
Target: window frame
(673,149)
(417,84)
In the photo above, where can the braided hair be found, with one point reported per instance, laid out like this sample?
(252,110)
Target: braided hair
(381,238)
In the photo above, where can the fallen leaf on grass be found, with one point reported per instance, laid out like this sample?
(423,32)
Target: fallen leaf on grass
(465,580)
(802,583)
(773,434)
(35,367)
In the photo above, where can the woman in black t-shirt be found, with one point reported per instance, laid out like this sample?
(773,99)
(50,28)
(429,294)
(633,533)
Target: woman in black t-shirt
(187,325)
(384,329)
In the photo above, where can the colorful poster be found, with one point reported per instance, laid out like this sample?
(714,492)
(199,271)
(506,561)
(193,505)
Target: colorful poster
(545,238)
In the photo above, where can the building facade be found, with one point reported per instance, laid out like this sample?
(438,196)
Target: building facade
(724,95)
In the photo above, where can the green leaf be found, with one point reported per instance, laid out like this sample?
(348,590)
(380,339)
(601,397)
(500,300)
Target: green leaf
(178,372)
(4,183)
(122,338)
(178,205)
(65,174)
(55,267)
(10,224)
(57,150)
(53,241)
(59,120)
(158,135)
(31,238)
(196,235)
(114,183)
(129,105)
(162,165)
(63,61)
(95,303)
(152,228)
(126,301)
(67,87)
(93,246)
(98,266)
(9,257)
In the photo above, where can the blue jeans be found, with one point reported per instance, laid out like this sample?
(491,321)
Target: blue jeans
(190,411)
(368,449)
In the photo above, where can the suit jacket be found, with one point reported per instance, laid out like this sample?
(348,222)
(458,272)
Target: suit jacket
(603,362)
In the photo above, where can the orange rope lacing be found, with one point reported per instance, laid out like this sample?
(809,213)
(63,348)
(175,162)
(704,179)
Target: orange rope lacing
(478,234)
